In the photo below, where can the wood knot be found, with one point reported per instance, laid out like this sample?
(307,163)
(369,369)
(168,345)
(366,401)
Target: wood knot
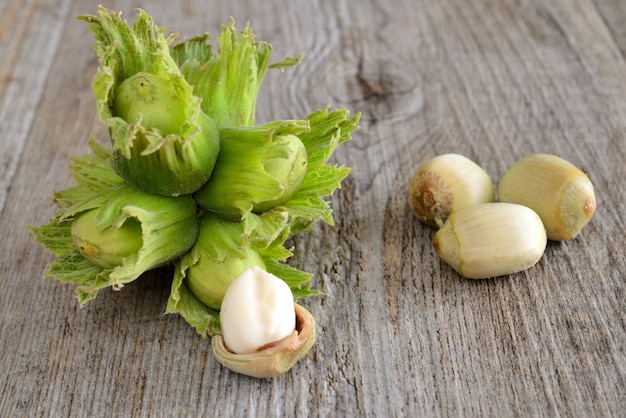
(381,89)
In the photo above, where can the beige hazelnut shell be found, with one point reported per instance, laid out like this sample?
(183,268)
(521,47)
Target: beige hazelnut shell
(275,358)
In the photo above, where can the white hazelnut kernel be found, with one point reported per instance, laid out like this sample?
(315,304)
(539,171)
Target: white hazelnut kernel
(257,310)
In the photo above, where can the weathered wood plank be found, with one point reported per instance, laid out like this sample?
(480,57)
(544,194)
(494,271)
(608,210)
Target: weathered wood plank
(400,334)
(614,15)
(29,33)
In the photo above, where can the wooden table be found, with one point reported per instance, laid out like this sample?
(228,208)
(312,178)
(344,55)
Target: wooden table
(399,332)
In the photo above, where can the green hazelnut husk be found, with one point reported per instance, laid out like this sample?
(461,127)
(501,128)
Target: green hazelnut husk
(217,258)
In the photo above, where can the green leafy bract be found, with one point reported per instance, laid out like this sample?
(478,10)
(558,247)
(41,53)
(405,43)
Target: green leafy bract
(91,172)
(228,81)
(168,226)
(184,159)
(240,179)
(328,129)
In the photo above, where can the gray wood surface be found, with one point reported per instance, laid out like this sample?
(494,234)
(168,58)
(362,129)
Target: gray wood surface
(399,333)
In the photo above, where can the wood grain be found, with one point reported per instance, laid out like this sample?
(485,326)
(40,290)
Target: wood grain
(399,333)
